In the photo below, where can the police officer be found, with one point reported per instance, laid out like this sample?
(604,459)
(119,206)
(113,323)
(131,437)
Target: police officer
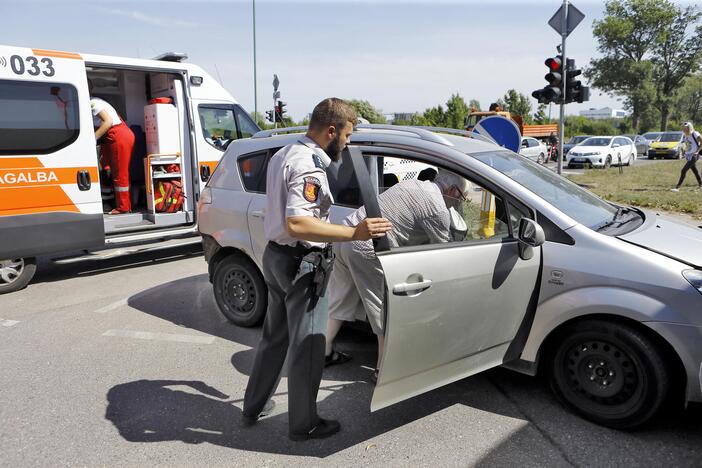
(297,228)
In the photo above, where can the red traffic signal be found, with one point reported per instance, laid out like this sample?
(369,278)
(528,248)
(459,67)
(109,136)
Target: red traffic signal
(554,64)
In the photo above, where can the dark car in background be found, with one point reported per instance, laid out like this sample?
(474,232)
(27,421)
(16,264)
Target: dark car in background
(575,140)
(641,143)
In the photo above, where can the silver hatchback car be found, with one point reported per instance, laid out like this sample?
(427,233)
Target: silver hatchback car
(605,300)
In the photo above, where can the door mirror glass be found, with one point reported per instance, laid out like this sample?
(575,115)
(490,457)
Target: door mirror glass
(525,144)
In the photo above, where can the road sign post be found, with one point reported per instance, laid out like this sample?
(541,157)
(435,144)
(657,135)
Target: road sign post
(564,21)
(276,95)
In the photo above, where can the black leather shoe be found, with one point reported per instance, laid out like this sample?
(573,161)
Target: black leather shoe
(323,429)
(267,409)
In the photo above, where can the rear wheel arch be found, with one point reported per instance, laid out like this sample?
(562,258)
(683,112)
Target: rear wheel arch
(225,252)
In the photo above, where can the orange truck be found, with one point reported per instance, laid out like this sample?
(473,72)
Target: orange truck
(535,131)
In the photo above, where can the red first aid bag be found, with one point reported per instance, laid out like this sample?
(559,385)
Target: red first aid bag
(168,196)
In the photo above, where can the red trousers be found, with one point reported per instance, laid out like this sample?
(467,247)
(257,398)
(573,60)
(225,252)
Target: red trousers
(117,151)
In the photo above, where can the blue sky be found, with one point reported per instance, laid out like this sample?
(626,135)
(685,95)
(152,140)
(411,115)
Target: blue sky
(402,56)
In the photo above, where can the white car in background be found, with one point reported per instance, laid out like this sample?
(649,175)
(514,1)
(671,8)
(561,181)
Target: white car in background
(533,149)
(602,151)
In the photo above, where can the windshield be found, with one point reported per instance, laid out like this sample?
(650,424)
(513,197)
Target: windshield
(578,139)
(670,137)
(579,204)
(651,135)
(596,141)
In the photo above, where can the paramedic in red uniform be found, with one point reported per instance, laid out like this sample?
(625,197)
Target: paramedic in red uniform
(115,148)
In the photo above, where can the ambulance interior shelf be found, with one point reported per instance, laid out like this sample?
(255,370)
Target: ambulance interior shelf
(163,177)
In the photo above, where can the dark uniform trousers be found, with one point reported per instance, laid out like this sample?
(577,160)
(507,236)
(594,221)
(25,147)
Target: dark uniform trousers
(295,326)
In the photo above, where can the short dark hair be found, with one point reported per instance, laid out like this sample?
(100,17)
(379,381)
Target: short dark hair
(332,111)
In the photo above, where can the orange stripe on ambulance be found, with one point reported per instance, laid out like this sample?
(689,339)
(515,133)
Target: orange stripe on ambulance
(24,178)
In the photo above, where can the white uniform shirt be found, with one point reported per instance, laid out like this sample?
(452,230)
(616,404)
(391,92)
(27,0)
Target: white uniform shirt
(417,211)
(97,105)
(296,185)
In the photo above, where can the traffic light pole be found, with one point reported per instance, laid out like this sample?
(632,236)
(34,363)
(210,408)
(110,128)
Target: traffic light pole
(564,61)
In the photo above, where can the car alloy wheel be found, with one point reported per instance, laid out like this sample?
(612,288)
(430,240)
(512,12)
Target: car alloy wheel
(609,373)
(540,159)
(239,290)
(608,162)
(16,273)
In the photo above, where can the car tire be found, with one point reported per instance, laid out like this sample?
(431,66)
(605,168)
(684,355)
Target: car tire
(608,162)
(540,159)
(15,274)
(239,290)
(609,373)
(631,160)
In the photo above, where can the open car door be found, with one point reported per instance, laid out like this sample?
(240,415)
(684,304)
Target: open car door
(453,309)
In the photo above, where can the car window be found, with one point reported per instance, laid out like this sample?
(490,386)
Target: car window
(595,141)
(533,143)
(671,137)
(411,188)
(253,171)
(37,118)
(343,183)
(579,204)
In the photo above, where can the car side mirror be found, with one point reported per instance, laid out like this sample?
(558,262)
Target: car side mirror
(531,235)
(615,145)
(525,144)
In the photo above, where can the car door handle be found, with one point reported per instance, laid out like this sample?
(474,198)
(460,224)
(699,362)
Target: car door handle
(404,288)
(258,214)
(83,180)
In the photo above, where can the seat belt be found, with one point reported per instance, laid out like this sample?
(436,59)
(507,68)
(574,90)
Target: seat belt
(368,195)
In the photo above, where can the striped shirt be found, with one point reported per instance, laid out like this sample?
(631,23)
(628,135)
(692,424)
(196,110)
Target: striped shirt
(417,211)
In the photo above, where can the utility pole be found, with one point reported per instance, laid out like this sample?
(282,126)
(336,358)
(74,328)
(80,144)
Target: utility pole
(254,57)
(561,121)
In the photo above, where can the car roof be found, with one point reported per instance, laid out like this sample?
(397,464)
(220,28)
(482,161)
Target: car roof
(426,137)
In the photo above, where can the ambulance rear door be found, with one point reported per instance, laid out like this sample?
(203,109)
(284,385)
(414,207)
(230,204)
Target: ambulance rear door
(49,183)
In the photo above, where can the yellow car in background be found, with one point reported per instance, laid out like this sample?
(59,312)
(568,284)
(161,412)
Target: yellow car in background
(668,146)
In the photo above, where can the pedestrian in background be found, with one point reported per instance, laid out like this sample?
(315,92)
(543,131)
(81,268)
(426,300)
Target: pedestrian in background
(297,229)
(693,145)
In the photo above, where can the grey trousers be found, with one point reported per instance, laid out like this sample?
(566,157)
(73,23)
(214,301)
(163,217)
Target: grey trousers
(295,327)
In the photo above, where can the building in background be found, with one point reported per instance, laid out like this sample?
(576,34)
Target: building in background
(604,113)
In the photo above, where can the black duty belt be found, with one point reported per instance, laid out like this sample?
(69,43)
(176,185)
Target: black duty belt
(297,250)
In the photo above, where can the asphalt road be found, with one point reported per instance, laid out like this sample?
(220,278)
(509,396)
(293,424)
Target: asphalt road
(128,363)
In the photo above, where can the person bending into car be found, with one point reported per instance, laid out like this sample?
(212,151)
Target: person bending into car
(419,214)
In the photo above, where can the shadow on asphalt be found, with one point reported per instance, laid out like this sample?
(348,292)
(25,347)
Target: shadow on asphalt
(48,271)
(193,412)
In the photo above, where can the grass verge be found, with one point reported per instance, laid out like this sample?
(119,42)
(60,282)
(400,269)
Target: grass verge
(645,186)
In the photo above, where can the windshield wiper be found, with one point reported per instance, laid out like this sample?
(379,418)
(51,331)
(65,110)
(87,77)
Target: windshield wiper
(616,219)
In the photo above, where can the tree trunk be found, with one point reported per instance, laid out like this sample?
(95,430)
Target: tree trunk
(665,114)
(635,120)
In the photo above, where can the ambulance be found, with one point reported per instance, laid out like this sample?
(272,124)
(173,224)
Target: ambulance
(53,193)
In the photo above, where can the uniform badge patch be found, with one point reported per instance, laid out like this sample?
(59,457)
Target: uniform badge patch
(317,162)
(311,189)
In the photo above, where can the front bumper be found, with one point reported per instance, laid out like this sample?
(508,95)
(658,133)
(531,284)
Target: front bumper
(662,153)
(593,161)
(687,343)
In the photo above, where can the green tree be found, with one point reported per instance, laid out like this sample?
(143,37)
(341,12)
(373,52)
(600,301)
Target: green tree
(540,116)
(626,37)
(435,117)
(677,54)
(474,104)
(688,105)
(366,110)
(456,111)
(516,103)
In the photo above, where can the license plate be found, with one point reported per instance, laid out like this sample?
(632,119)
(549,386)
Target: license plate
(578,160)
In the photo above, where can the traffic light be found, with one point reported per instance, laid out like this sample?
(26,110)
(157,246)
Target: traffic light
(269,116)
(554,91)
(575,91)
(280,111)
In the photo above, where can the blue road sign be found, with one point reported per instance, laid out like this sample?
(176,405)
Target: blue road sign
(501,130)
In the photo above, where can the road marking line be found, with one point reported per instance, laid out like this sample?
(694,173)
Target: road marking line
(8,323)
(113,306)
(141,335)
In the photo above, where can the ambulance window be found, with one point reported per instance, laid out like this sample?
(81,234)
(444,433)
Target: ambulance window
(218,125)
(247,127)
(37,118)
